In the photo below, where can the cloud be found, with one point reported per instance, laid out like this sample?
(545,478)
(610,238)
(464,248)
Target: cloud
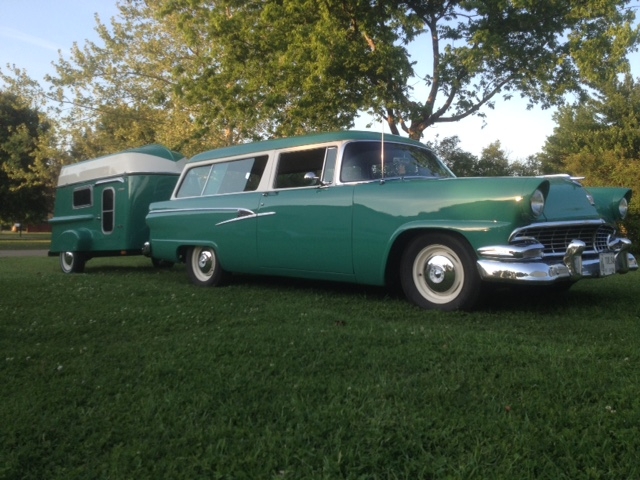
(30,39)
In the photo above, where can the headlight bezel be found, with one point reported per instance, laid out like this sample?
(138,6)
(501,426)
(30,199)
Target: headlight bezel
(537,203)
(623,208)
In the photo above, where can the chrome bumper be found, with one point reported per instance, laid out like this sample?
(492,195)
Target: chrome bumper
(526,263)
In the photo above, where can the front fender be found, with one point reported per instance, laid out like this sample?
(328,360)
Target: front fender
(607,200)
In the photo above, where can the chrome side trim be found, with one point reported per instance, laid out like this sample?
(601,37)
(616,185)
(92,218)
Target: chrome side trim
(110,180)
(245,216)
(199,210)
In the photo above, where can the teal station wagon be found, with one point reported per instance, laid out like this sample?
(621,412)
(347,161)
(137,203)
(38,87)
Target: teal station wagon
(101,204)
(363,208)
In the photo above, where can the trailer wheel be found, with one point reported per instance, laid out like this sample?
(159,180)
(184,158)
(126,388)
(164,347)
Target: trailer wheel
(72,262)
(203,267)
(438,272)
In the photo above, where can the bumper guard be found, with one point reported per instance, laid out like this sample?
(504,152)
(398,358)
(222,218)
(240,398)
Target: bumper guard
(526,262)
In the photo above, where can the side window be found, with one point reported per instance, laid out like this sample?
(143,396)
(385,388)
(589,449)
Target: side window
(108,210)
(329,165)
(237,176)
(193,182)
(223,177)
(293,166)
(82,197)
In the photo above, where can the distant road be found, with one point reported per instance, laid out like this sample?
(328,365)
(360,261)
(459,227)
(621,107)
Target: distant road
(23,253)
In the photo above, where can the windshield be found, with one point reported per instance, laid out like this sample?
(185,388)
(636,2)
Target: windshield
(362,161)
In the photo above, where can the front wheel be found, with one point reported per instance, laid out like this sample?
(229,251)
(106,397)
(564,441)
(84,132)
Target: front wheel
(438,271)
(203,267)
(72,262)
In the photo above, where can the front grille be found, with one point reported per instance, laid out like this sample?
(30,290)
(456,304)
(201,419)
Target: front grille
(556,237)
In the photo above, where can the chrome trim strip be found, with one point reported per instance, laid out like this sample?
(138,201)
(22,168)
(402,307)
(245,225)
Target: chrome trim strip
(200,210)
(110,180)
(245,217)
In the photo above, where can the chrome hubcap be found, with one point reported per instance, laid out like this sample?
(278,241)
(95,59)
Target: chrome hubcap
(439,273)
(205,261)
(68,258)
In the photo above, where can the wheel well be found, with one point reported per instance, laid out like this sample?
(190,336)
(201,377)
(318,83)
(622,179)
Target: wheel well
(392,271)
(182,253)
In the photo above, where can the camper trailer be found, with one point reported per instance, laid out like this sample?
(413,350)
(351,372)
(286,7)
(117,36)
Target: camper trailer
(101,204)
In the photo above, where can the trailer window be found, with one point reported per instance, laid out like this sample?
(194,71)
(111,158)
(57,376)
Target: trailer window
(82,197)
(108,210)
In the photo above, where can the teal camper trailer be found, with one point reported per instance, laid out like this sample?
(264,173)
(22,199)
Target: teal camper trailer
(101,204)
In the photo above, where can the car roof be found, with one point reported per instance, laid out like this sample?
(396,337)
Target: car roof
(300,141)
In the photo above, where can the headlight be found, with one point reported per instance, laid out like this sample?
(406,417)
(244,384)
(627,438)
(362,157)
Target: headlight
(623,208)
(537,203)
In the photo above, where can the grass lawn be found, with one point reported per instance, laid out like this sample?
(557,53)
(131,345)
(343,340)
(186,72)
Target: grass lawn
(24,241)
(131,372)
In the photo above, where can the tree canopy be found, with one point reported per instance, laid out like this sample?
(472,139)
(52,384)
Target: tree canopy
(493,160)
(196,74)
(320,61)
(25,187)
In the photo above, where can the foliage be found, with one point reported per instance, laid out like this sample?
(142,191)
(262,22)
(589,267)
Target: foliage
(196,74)
(493,161)
(302,58)
(26,165)
(131,372)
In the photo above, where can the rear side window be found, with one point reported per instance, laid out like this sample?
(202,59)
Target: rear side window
(223,177)
(82,197)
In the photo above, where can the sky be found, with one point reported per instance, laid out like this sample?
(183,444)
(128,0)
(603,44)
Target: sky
(32,32)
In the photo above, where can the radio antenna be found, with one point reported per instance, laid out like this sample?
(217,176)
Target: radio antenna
(382,150)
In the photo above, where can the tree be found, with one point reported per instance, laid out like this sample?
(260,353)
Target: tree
(310,60)
(463,164)
(608,121)
(25,174)
(195,74)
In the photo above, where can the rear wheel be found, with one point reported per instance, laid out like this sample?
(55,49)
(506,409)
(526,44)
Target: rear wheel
(203,267)
(438,271)
(72,262)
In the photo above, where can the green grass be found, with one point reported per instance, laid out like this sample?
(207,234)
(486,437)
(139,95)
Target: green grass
(24,241)
(130,372)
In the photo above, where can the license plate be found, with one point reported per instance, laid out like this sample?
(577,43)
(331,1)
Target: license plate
(607,264)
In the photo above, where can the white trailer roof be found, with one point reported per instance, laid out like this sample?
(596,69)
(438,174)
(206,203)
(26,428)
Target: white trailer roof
(152,159)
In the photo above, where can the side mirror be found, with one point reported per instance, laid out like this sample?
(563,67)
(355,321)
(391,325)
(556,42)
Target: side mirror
(312,178)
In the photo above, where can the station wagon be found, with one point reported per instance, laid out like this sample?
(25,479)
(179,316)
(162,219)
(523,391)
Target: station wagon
(365,208)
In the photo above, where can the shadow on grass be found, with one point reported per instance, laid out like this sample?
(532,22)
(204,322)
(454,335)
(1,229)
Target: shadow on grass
(584,294)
